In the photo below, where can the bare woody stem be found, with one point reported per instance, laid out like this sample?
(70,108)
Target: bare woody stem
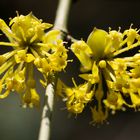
(62,15)
(45,127)
(61,19)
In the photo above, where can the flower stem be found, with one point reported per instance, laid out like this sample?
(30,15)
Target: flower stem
(61,24)
(62,15)
(45,127)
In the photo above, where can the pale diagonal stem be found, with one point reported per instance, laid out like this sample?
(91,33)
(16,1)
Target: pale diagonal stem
(47,112)
(62,15)
(61,19)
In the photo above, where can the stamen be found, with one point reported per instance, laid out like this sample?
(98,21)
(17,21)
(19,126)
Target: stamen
(126,49)
(9,54)
(34,38)
(23,34)
(34,53)
(9,44)
(74,82)
(6,65)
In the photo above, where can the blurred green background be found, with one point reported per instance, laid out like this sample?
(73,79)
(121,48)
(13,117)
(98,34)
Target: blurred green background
(17,123)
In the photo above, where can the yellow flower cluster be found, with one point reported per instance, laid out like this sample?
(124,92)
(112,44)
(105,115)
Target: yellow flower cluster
(111,79)
(76,98)
(31,47)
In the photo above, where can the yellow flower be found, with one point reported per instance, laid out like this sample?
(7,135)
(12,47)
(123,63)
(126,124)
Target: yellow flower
(76,98)
(114,101)
(31,98)
(111,77)
(98,116)
(31,47)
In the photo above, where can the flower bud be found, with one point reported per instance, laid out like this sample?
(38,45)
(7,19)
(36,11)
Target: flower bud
(102,64)
(97,42)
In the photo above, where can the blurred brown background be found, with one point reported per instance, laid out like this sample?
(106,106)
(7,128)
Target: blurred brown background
(17,123)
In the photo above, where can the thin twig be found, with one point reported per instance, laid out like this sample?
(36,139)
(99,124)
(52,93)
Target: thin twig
(61,24)
(62,15)
(47,112)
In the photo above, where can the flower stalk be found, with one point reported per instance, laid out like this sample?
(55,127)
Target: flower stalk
(60,23)
(62,15)
(47,112)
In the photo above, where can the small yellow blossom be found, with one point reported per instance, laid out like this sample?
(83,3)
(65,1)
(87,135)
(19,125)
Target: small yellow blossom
(75,98)
(114,101)
(31,47)
(98,116)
